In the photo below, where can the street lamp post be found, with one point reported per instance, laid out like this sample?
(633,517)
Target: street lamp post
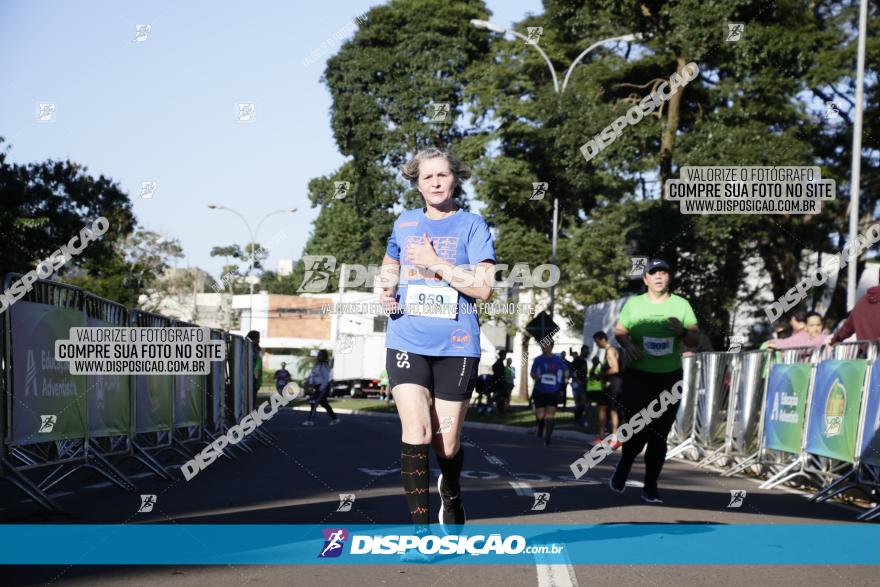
(253,240)
(497,28)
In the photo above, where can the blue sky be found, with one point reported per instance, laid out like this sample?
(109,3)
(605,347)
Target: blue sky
(164,109)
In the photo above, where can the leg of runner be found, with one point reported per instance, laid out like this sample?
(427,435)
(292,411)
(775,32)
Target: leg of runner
(325,403)
(657,433)
(549,421)
(603,420)
(447,420)
(632,397)
(539,417)
(414,406)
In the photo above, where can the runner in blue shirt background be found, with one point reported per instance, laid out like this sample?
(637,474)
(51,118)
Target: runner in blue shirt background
(438,262)
(551,375)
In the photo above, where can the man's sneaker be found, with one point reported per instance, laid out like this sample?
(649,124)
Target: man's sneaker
(616,485)
(596,441)
(651,496)
(451,511)
(334,421)
(308,423)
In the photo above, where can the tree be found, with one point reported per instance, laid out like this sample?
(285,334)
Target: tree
(407,57)
(748,107)
(135,267)
(46,204)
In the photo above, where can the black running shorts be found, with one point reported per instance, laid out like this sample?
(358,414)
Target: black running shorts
(447,378)
(546,400)
(610,395)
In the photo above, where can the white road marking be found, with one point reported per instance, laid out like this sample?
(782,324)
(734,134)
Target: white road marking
(522,488)
(555,575)
(495,460)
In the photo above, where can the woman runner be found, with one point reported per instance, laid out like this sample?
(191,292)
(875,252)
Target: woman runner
(433,339)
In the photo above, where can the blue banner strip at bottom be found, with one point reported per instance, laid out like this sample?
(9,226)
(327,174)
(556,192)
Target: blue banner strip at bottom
(650,544)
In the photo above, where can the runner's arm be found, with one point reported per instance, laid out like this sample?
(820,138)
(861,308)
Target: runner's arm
(389,276)
(476,283)
(621,333)
(613,364)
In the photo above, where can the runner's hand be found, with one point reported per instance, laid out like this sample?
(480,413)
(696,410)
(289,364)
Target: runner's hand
(423,253)
(676,326)
(388,300)
(632,352)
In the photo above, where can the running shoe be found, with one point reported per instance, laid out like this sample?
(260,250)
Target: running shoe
(617,444)
(546,442)
(616,485)
(413,555)
(651,496)
(334,421)
(596,441)
(308,423)
(451,512)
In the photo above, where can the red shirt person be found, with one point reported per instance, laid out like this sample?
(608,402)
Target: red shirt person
(863,320)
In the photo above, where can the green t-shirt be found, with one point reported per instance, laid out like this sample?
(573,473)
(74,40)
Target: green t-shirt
(649,330)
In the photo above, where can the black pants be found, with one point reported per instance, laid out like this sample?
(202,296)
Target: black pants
(639,390)
(322,401)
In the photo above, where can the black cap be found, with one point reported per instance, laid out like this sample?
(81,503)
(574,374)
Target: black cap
(657,264)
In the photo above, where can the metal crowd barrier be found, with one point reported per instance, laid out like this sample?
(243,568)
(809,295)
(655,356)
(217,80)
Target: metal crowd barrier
(66,423)
(684,433)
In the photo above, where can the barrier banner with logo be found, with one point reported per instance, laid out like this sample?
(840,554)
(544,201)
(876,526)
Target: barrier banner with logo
(785,406)
(48,403)
(834,409)
(870,449)
(109,399)
(189,391)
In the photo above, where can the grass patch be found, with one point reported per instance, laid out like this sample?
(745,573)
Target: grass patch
(516,415)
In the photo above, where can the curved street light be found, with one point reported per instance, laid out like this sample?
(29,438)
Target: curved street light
(253,240)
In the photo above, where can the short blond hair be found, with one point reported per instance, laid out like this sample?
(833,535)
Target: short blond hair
(460,170)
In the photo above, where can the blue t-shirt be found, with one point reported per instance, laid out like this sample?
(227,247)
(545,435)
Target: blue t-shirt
(462,239)
(549,373)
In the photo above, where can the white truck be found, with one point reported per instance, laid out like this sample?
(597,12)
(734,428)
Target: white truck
(358,361)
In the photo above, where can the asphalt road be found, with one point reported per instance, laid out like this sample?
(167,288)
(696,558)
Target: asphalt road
(299,482)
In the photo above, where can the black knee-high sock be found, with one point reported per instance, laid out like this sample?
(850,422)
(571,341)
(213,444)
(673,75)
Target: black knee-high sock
(414,473)
(550,423)
(451,469)
(540,426)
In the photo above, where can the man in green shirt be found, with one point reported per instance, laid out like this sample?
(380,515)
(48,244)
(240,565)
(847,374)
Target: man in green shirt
(651,330)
